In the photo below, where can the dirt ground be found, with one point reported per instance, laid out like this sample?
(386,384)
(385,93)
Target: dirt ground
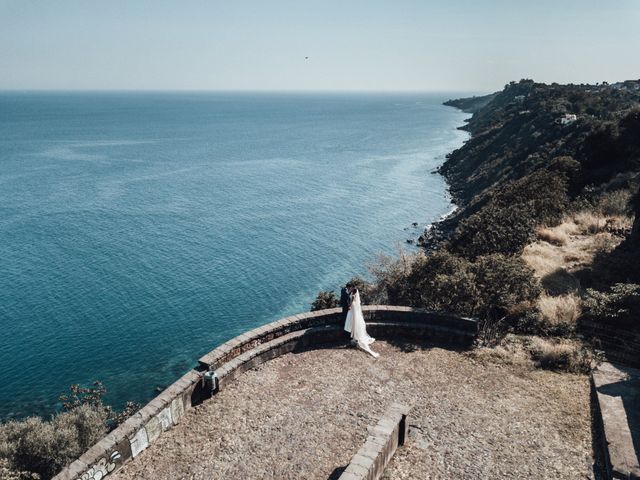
(305,415)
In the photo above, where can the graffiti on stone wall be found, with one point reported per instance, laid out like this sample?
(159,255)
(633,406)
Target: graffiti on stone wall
(103,468)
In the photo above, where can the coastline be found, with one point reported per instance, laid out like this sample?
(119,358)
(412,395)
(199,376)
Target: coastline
(436,233)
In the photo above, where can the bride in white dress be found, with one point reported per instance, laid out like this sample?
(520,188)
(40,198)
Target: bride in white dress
(356,326)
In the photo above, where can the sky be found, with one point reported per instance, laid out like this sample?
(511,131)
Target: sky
(351,45)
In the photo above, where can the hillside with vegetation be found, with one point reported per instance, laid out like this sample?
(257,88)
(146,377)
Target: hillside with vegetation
(544,247)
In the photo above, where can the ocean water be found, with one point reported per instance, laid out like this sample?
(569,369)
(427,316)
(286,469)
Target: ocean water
(139,231)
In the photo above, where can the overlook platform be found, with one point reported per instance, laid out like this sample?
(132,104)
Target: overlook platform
(304,415)
(291,400)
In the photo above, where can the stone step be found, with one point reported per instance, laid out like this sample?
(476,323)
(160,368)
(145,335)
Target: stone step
(617,394)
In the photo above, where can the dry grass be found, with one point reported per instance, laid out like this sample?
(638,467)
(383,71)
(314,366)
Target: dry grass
(604,243)
(553,236)
(572,244)
(544,258)
(560,312)
(589,222)
(510,351)
(560,355)
(536,352)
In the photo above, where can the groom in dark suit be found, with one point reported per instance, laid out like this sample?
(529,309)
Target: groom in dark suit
(345,299)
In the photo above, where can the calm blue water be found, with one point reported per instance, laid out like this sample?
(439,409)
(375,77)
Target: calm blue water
(139,231)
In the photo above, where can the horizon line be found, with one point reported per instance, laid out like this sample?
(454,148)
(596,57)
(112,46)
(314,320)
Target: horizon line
(132,90)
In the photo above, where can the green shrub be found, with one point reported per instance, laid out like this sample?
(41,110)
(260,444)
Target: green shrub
(38,448)
(45,447)
(505,284)
(325,299)
(507,222)
(492,286)
(443,282)
(391,278)
(620,305)
(494,230)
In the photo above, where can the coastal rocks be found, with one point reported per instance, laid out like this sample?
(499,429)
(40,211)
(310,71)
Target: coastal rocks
(435,235)
(414,225)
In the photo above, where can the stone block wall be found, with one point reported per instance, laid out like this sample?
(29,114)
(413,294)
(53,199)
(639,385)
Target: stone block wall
(616,395)
(246,351)
(383,441)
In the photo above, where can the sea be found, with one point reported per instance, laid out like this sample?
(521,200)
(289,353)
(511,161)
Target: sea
(138,231)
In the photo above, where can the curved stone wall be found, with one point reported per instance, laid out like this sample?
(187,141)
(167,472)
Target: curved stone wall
(226,362)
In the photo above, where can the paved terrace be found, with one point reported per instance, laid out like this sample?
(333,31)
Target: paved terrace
(304,415)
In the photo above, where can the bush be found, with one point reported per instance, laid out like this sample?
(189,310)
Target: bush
(507,222)
(494,230)
(505,285)
(620,305)
(391,278)
(615,203)
(493,285)
(562,356)
(325,300)
(45,447)
(443,282)
(38,448)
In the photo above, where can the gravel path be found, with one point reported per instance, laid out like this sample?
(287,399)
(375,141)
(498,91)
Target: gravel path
(305,415)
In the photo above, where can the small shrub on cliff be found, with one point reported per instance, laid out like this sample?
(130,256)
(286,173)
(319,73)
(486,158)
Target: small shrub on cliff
(325,299)
(44,447)
(505,285)
(443,282)
(391,278)
(620,305)
(39,448)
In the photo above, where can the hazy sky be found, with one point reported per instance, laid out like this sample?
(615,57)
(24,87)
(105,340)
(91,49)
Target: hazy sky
(352,45)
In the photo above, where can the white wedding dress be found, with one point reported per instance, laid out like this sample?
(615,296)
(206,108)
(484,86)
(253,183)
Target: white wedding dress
(356,326)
